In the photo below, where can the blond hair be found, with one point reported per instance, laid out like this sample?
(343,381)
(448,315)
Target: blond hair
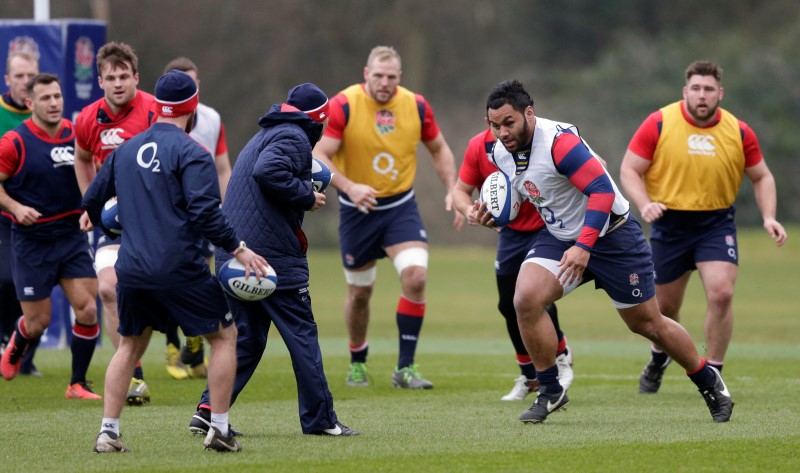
(26,55)
(383,53)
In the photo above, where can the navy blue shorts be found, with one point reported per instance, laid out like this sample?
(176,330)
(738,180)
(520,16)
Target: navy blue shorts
(363,237)
(621,262)
(511,250)
(198,308)
(680,239)
(5,251)
(38,265)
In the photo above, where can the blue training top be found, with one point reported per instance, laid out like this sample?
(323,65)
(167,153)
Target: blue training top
(169,198)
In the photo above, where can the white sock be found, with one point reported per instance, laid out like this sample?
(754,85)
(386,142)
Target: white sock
(220,422)
(110,425)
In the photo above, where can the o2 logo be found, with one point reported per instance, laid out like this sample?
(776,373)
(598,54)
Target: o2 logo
(146,157)
(383,163)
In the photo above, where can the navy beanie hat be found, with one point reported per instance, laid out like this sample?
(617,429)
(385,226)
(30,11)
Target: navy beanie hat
(176,94)
(309,99)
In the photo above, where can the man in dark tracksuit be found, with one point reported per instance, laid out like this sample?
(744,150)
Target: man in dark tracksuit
(168,193)
(268,194)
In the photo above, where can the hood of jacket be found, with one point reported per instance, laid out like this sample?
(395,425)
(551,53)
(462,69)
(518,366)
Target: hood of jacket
(275,116)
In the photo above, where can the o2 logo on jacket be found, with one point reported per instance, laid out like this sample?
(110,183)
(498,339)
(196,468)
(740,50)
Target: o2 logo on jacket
(63,156)
(146,157)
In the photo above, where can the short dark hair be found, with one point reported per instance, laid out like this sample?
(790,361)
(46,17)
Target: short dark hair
(704,68)
(183,64)
(117,55)
(44,79)
(510,92)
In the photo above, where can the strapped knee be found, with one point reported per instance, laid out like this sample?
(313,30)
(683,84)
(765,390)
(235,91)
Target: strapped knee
(411,257)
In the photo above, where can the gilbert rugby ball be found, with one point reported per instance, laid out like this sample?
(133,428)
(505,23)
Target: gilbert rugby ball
(110,216)
(320,175)
(502,200)
(231,277)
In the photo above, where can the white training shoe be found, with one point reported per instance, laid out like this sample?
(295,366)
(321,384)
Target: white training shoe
(565,374)
(108,442)
(522,387)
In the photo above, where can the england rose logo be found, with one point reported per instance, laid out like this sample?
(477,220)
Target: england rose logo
(533,193)
(384,121)
(84,58)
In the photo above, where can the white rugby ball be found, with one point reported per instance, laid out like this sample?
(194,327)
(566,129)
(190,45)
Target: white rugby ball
(231,277)
(502,200)
(320,175)
(110,216)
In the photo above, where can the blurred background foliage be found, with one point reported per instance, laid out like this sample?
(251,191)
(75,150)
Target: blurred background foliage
(602,65)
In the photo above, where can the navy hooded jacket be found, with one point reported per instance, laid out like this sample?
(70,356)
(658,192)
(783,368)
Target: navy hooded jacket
(270,191)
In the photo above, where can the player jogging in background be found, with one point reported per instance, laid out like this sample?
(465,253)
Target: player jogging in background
(371,147)
(101,127)
(48,246)
(683,169)
(590,235)
(512,247)
(209,131)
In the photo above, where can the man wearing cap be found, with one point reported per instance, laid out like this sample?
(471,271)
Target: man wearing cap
(268,195)
(209,130)
(165,180)
(371,147)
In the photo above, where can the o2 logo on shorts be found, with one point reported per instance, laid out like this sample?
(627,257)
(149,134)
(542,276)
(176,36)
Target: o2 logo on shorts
(731,242)
(153,164)
(383,163)
(633,280)
(63,156)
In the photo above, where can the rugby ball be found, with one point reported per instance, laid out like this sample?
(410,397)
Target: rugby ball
(502,200)
(110,216)
(320,175)
(231,277)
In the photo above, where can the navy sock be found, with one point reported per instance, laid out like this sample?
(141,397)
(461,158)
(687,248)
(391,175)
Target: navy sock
(659,357)
(716,364)
(528,370)
(172,336)
(549,379)
(138,373)
(84,341)
(21,341)
(409,323)
(359,354)
(704,377)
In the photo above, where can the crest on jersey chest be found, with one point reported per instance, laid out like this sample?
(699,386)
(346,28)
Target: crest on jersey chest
(534,195)
(384,121)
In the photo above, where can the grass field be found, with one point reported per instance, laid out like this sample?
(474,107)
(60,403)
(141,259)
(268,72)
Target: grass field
(461,425)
